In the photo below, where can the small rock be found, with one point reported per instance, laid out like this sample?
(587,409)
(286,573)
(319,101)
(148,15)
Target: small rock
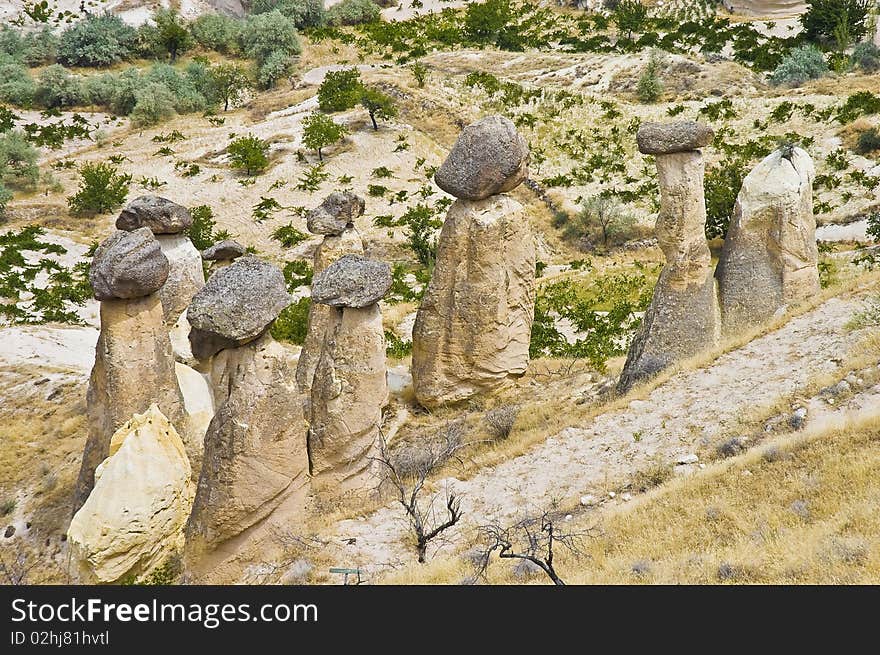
(297,573)
(336,213)
(626,497)
(800,508)
(10,530)
(611,494)
(798,418)
(702,466)
(690,458)
(226,249)
(352,281)
(159,214)
(489,157)
(678,136)
(746,473)
(568,517)
(128,265)
(589,500)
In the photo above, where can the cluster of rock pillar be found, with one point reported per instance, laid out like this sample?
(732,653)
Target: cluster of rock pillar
(174,348)
(768,261)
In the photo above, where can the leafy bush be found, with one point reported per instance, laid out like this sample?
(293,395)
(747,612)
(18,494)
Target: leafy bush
(216,32)
(248,153)
(824,20)
(275,67)
(58,88)
(201,232)
(397,347)
(721,186)
(320,131)
(172,34)
(304,13)
(629,16)
(18,161)
(102,188)
(292,323)
(31,48)
(599,217)
(265,34)
(869,141)
(229,83)
(861,103)
(297,273)
(799,65)
(650,86)
(867,57)
(288,236)
(154,103)
(353,12)
(340,90)
(485,22)
(97,40)
(16,84)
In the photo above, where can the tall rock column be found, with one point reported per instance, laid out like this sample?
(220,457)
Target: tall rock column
(134,364)
(349,387)
(683,317)
(168,221)
(770,258)
(473,328)
(255,446)
(334,218)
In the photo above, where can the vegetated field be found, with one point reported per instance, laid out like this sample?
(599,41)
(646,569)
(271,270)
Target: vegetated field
(572,83)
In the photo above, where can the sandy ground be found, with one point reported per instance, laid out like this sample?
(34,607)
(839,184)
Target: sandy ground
(677,418)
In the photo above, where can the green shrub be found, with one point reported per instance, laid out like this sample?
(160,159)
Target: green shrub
(378,105)
(650,86)
(275,67)
(824,20)
(353,12)
(216,32)
(869,141)
(16,84)
(867,57)
(185,96)
(485,21)
(154,104)
(58,88)
(102,188)
(320,131)
(172,35)
(229,83)
(201,232)
(288,236)
(31,48)
(873,230)
(97,40)
(340,90)
(248,153)
(629,16)
(799,65)
(18,161)
(292,323)
(297,273)
(861,103)
(265,34)
(721,186)
(600,217)
(304,13)
(397,347)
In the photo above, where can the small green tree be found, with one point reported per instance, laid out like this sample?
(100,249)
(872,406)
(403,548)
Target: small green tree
(799,65)
(629,16)
(172,34)
(216,32)
(102,188)
(248,153)
(353,12)
(319,131)
(825,20)
(600,216)
(650,86)
(340,90)
(378,105)
(265,34)
(230,81)
(420,73)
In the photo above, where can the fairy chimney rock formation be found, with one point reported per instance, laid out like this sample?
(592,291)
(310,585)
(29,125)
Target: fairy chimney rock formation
(255,446)
(472,330)
(349,387)
(169,222)
(333,218)
(683,318)
(134,363)
(236,306)
(133,520)
(770,258)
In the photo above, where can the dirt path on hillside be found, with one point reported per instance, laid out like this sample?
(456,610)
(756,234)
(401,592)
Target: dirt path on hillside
(688,410)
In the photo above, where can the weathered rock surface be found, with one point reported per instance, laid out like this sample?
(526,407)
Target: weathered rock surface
(770,258)
(128,265)
(159,214)
(766,7)
(330,250)
(133,519)
(683,318)
(185,274)
(198,401)
(348,393)
(352,281)
(668,138)
(473,328)
(236,306)
(255,447)
(489,157)
(337,212)
(134,368)
(227,249)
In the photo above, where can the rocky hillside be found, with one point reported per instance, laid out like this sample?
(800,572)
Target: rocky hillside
(396,287)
